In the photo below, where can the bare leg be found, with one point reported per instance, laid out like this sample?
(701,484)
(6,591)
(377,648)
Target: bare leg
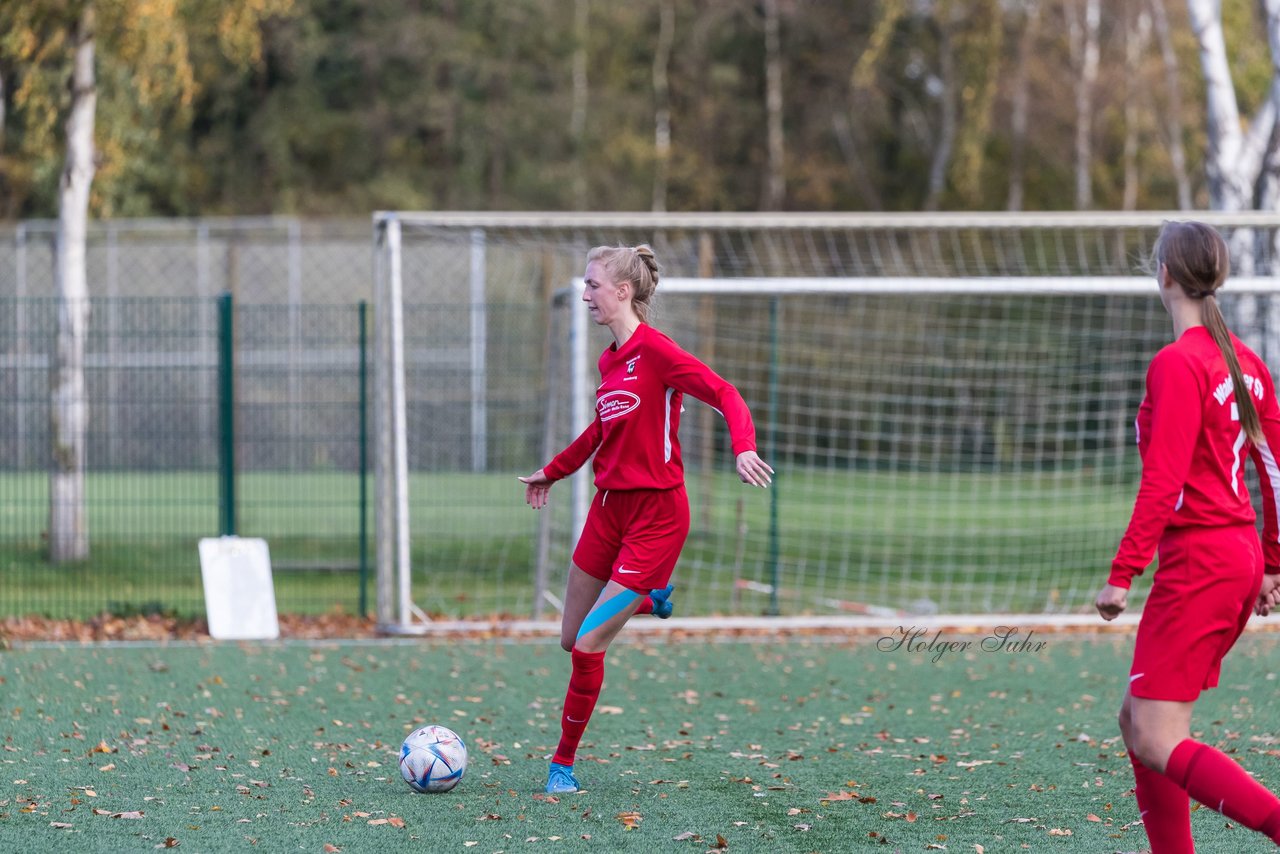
(1165,806)
(580,595)
(613,607)
(606,618)
(1153,728)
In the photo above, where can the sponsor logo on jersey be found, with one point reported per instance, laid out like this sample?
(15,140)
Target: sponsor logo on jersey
(631,364)
(615,404)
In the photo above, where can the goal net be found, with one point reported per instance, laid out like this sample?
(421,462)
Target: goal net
(948,403)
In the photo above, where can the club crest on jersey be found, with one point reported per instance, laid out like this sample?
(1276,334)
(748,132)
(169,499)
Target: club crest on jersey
(631,364)
(614,404)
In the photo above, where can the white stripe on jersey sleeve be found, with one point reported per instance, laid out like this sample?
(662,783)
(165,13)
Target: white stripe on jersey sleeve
(666,428)
(1273,474)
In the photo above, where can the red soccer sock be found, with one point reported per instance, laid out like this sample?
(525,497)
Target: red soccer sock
(1165,808)
(1217,781)
(579,701)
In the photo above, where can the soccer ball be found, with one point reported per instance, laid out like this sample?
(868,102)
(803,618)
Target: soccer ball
(433,759)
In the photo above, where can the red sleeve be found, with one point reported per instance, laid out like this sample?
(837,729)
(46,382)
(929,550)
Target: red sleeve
(1264,459)
(1177,410)
(579,451)
(684,373)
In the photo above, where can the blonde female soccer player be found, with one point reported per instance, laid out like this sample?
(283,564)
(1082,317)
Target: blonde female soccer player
(639,518)
(1209,402)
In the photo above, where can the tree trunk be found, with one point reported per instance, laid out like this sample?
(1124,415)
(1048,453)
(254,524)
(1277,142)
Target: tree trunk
(1137,33)
(1022,107)
(1234,158)
(948,109)
(578,118)
(1084,40)
(1173,109)
(662,104)
(69,409)
(1232,168)
(776,179)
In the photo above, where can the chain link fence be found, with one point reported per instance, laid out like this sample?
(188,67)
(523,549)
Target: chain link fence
(158,449)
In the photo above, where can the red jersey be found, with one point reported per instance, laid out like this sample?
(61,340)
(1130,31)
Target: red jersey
(1193,447)
(638,404)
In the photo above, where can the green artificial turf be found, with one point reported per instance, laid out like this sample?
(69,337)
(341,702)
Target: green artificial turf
(775,745)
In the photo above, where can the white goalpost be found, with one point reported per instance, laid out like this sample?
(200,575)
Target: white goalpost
(947,400)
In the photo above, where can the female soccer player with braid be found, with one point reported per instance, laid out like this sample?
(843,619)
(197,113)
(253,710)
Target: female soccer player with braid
(1210,400)
(639,518)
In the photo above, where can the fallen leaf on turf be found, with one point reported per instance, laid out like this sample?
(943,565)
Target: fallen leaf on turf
(911,816)
(688,834)
(839,796)
(978,849)
(395,821)
(103,747)
(630,820)
(330,848)
(59,824)
(110,766)
(379,821)
(720,842)
(1058,831)
(169,842)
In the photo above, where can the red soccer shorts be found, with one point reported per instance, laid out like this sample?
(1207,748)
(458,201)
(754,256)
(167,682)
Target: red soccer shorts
(1203,593)
(634,536)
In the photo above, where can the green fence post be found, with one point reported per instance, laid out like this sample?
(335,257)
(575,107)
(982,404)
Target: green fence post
(227,413)
(364,457)
(772,445)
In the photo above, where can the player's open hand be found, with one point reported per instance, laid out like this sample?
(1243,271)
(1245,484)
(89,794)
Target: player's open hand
(1268,596)
(753,470)
(536,489)
(1111,601)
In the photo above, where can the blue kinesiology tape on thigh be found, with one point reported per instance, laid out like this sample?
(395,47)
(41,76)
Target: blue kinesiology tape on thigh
(605,611)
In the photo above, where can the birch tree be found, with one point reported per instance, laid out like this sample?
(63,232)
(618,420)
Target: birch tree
(69,409)
(1172,113)
(662,103)
(1022,105)
(61,42)
(578,115)
(775,181)
(1137,33)
(948,108)
(1083,33)
(1235,155)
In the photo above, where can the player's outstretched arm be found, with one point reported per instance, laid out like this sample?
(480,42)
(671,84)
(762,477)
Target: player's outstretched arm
(537,486)
(1111,601)
(753,470)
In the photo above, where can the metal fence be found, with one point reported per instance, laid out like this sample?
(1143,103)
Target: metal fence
(162,460)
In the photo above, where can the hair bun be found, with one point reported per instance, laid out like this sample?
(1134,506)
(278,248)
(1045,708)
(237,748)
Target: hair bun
(645,252)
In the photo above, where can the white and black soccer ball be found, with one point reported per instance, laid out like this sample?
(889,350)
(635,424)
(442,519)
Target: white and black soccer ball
(433,759)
